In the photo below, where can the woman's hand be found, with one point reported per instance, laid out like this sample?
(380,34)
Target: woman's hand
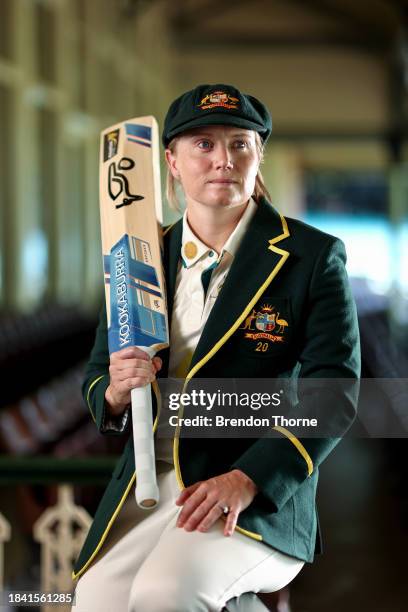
(204,500)
(129,368)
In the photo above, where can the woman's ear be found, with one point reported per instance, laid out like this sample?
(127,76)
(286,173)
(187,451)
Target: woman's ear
(172,164)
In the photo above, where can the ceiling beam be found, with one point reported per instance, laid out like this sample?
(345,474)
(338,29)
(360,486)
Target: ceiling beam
(333,135)
(264,42)
(193,18)
(190,28)
(342,16)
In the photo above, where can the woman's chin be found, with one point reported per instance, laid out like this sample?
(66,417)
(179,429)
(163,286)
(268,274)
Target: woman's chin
(222,202)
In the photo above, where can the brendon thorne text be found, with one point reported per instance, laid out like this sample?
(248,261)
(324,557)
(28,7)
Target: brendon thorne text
(250,421)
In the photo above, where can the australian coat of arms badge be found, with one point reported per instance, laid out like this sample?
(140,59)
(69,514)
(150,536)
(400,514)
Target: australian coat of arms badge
(263,325)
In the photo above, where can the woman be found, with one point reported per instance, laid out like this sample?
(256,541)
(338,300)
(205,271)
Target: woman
(224,269)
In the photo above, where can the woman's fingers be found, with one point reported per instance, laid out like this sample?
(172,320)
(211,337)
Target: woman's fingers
(136,371)
(203,516)
(131,352)
(203,501)
(185,493)
(190,502)
(129,368)
(201,505)
(231,522)
(213,514)
(134,383)
(157,363)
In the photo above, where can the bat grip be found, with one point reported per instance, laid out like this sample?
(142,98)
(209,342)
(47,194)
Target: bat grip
(147,491)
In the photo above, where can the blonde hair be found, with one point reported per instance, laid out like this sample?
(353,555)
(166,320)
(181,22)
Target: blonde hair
(260,189)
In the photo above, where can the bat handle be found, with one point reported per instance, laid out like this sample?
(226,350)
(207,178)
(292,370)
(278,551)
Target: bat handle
(147,491)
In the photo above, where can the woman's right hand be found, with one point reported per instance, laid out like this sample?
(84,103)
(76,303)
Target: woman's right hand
(129,368)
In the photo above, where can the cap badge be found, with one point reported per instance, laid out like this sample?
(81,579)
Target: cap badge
(218,98)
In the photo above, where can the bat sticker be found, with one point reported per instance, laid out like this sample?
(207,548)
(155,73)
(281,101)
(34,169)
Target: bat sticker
(135,290)
(139,134)
(110,144)
(118,183)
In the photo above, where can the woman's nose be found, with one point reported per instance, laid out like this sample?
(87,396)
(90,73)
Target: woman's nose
(222,157)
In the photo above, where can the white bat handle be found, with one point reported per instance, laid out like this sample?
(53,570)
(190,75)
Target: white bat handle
(147,491)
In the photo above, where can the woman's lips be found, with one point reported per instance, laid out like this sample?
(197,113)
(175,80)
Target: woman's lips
(223,181)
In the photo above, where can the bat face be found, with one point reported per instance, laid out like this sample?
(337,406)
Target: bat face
(131,217)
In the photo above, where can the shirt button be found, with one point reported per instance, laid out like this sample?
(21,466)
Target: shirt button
(211,254)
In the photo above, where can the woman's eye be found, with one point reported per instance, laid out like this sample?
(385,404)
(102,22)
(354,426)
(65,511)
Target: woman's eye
(204,144)
(240,144)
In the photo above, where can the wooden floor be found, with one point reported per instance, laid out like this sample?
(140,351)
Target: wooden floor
(364,520)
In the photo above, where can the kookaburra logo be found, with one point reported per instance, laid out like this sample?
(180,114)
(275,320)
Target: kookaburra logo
(118,183)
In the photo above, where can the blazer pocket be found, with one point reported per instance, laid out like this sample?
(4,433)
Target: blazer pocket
(267,330)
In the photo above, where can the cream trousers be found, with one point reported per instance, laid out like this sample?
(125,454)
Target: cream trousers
(147,564)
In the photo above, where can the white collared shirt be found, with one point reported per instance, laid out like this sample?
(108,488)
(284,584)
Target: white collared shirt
(192,307)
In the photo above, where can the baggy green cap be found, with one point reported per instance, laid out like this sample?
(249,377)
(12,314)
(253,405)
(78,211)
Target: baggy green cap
(216,105)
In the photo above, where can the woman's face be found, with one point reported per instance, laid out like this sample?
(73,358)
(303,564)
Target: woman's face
(216,165)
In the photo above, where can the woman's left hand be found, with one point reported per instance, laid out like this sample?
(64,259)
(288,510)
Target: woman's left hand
(204,501)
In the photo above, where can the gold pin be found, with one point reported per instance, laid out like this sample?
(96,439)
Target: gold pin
(190,250)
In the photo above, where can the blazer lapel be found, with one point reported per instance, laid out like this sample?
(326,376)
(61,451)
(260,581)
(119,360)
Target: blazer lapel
(257,262)
(172,246)
(172,236)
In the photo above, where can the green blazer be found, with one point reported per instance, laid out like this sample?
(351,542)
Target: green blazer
(300,271)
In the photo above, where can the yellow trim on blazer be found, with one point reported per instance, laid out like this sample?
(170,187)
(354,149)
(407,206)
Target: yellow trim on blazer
(299,446)
(124,496)
(105,533)
(157,393)
(168,228)
(284,255)
(93,383)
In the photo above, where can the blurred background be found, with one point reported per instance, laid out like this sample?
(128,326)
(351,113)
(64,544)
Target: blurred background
(334,74)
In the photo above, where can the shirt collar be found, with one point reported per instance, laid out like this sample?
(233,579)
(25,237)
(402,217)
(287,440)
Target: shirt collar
(192,249)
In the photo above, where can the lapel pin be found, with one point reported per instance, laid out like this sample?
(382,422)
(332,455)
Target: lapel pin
(190,250)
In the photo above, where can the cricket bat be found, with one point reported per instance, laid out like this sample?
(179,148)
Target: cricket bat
(131,218)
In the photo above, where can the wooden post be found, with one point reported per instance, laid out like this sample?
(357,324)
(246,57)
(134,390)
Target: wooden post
(61,531)
(5,531)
